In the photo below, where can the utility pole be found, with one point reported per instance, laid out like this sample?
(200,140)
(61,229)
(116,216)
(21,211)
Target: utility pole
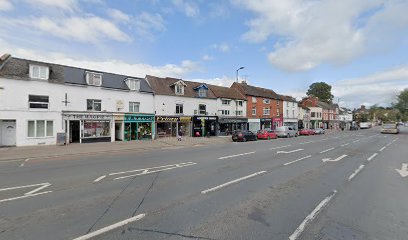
(236,103)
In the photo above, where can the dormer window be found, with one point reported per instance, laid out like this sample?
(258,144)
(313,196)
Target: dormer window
(179,89)
(94,79)
(133,84)
(39,72)
(202,92)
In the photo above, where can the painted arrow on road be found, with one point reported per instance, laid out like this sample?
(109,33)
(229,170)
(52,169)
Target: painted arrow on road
(334,160)
(403,171)
(297,150)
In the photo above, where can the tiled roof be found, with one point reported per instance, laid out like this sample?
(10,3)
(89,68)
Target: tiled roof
(225,92)
(163,86)
(256,91)
(288,98)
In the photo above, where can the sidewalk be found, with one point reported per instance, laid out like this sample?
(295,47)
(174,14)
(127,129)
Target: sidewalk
(32,152)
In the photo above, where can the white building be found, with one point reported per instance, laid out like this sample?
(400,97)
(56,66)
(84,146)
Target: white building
(40,100)
(290,111)
(185,107)
(304,116)
(316,117)
(345,118)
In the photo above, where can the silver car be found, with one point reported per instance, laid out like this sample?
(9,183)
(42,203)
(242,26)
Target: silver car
(319,131)
(286,131)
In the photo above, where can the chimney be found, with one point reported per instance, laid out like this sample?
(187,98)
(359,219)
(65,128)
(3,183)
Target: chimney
(4,57)
(244,82)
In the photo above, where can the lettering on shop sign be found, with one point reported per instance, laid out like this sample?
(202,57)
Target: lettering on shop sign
(133,118)
(88,116)
(172,119)
(206,118)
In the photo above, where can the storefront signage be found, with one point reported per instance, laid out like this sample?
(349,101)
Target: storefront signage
(266,120)
(207,118)
(233,120)
(88,117)
(119,117)
(172,119)
(139,118)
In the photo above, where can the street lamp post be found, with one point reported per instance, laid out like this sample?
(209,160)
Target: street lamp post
(236,103)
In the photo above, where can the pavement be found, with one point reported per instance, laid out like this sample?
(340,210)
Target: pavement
(341,185)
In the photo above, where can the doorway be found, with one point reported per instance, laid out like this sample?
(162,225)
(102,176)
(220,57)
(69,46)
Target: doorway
(74,131)
(7,132)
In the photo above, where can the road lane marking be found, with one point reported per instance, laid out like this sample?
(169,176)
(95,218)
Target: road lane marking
(307,142)
(382,148)
(356,140)
(343,145)
(372,156)
(37,189)
(148,170)
(334,160)
(236,155)
(311,216)
(232,182)
(111,227)
(31,193)
(23,163)
(300,159)
(327,150)
(280,147)
(99,178)
(24,196)
(26,186)
(356,172)
(403,171)
(297,150)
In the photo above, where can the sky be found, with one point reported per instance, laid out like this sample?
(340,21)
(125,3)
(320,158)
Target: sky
(359,47)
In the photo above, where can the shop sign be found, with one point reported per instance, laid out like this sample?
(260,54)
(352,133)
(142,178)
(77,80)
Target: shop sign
(185,119)
(87,116)
(206,118)
(172,119)
(119,117)
(266,120)
(139,118)
(233,120)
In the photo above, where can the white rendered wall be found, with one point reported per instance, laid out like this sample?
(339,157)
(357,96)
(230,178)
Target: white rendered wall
(231,107)
(166,105)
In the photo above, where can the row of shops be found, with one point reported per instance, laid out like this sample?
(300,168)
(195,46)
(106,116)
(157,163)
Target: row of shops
(84,127)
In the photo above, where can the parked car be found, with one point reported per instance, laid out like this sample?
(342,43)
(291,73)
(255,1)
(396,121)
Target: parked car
(365,125)
(243,136)
(390,128)
(306,132)
(319,131)
(286,131)
(266,134)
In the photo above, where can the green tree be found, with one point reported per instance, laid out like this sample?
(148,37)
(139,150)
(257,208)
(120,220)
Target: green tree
(321,90)
(402,102)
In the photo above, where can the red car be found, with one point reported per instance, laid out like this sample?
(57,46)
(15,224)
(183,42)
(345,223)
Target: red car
(306,132)
(266,134)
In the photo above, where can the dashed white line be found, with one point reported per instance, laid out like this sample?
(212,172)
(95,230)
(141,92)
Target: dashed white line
(327,150)
(307,142)
(232,182)
(280,147)
(311,216)
(381,149)
(111,227)
(26,160)
(236,155)
(300,159)
(24,196)
(343,145)
(358,140)
(372,156)
(356,172)
(148,170)
(297,150)
(26,186)
(99,178)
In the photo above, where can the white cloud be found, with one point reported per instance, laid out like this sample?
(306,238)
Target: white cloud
(309,33)
(207,57)
(146,23)
(118,15)
(5,5)
(224,81)
(68,5)
(221,47)
(189,8)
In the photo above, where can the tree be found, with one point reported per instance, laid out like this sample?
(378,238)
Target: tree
(321,90)
(402,102)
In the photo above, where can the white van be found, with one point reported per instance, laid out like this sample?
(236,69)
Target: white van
(286,131)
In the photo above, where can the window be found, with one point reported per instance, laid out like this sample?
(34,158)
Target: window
(202,92)
(133,84)
(93,105)
(240,103)
(38,101)
(253,99)
(226,102)
(313,114)
(266,101)
(239,113)
(179,89)
(287,113)
(287,104)
(225,112)
(40,128)
(277,112)
(202,109)
(266,111)
(39,72)
(254,111)
(293,113)
(277,103)
(179,108)
(94,79)
(134,106)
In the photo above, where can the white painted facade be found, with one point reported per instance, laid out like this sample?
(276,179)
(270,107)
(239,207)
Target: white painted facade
(304,115)
(231,107)
(316,116)
(14,105)
(165,105)
(290,113)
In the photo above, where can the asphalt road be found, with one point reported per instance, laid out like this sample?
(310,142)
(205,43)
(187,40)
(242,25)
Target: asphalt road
(334,186)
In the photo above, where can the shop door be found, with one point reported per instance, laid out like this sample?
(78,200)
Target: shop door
(8,132)
(74,131)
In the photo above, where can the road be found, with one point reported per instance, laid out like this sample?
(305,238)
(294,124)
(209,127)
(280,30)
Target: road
(334,186)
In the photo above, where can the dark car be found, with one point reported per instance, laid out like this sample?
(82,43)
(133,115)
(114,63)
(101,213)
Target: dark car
(243,136)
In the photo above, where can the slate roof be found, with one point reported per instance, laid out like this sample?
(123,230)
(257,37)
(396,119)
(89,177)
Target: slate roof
(326,105)
(225,92)
(164,86)
(288,98)
(256,91)
(17,68)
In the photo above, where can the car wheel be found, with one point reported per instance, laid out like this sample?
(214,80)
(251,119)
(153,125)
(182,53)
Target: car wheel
(244,139)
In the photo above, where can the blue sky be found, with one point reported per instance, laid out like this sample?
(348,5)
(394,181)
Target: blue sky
(357,46)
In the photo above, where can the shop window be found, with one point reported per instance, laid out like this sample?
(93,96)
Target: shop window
(38,101)
(202,109)
(96,129)
(94,105)
(39,72)
(226,102)
(134,106)
(179,109)
(40,128)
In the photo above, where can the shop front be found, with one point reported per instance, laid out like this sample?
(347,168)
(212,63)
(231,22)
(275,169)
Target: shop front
(205,126)
(277,122)
(228,125)
(138,127)
(171,126)
(88,127)
(254,124)
(266,123)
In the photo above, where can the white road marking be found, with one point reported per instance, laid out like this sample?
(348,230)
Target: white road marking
(345,144)
(307,142)
(300,159)
(372,156)
(24,196)
(382,148)
(236,155)
(37,189)
(356,140)
(403,171)
(111,227)
(280,147)
(31,193)
(297,150)
(26,186)
(148,170)
(324,139)
(327,150)
(22,164)
(356,172)
(335,160)
(99,178)
(311,216)
(232,182)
